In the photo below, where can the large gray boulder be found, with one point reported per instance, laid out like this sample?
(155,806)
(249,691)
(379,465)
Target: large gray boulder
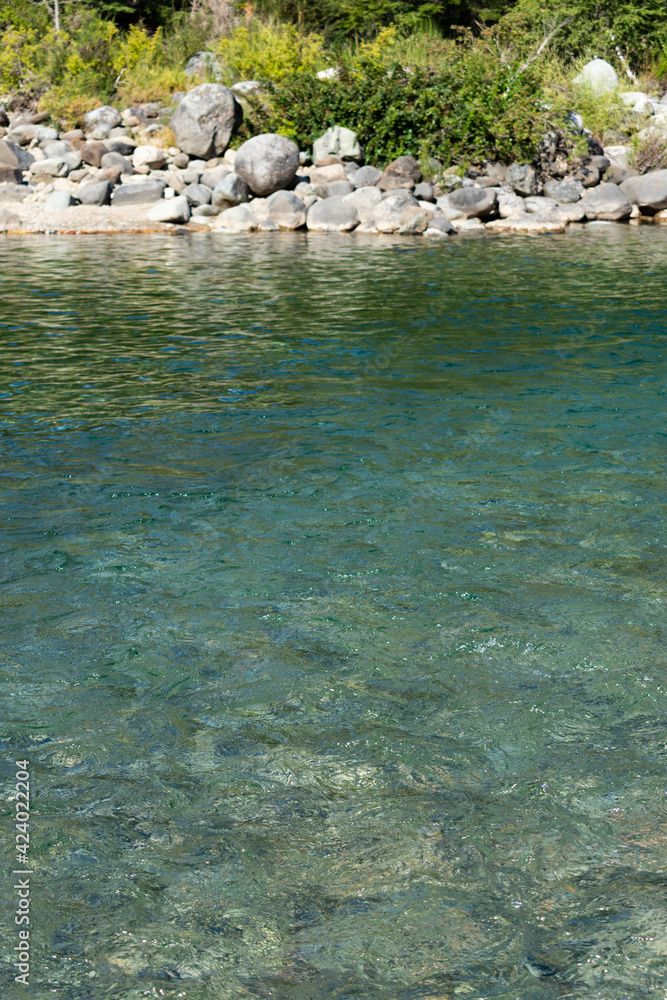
(598,76)
(648,192)
(338,141)
(138,194)
(332,215)
(14,156)
(267,163)
(522,178)
(171,210)
(473,203)
(205,120)
(565,192)
(286,210)
(606,202)
(104,115)
(231,190)
(97,193)
(365,200)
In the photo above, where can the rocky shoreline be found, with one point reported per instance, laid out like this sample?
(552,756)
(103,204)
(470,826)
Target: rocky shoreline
(109,177)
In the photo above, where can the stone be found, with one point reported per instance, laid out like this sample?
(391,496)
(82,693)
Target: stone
(74,135)
(424,191)
(100,132)
(247,87)
(587,175)
(616,175)
(529,224)
(142,193)
(14,156)
(203,211)
(211,178)
(55,148)
(50,168)
(571,212)
(600,163)
(175,210)
(510,204)
(327,174)
(149,156)
(175,181)
(333,215)
(632,97)
(10,175)
(8,221)
(537,205)
(607,202)
(267,226)
(238,219)
(231,190)
(205,120)
(414,221)
(565,191)
(286,210)
(649,191)
(58,201)
(365,177)
(364,200)
(46,134)
(522,178)
(181,160)
(387,215)
(111,161)
(392,183)
(112,174)
(617,155)
(197,194)
(442,224)
(104,115)
(98,193)
(92,153)
(204,65)
(473,203)
(338,141)
(267,163)
(598,76)
(404,166)
(14,192)
(336,189)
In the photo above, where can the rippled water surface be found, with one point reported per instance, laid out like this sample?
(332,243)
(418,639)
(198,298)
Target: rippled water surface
(334,577)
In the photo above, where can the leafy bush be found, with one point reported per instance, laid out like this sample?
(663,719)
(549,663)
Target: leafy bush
(473,109)
(270,50)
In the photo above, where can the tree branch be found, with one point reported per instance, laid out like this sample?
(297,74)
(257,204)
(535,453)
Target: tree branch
(542,46)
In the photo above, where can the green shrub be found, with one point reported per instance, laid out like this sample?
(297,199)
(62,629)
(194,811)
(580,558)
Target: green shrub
(475,109)
(270,50)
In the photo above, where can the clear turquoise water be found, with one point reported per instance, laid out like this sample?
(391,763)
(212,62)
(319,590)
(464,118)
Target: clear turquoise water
(334,577)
